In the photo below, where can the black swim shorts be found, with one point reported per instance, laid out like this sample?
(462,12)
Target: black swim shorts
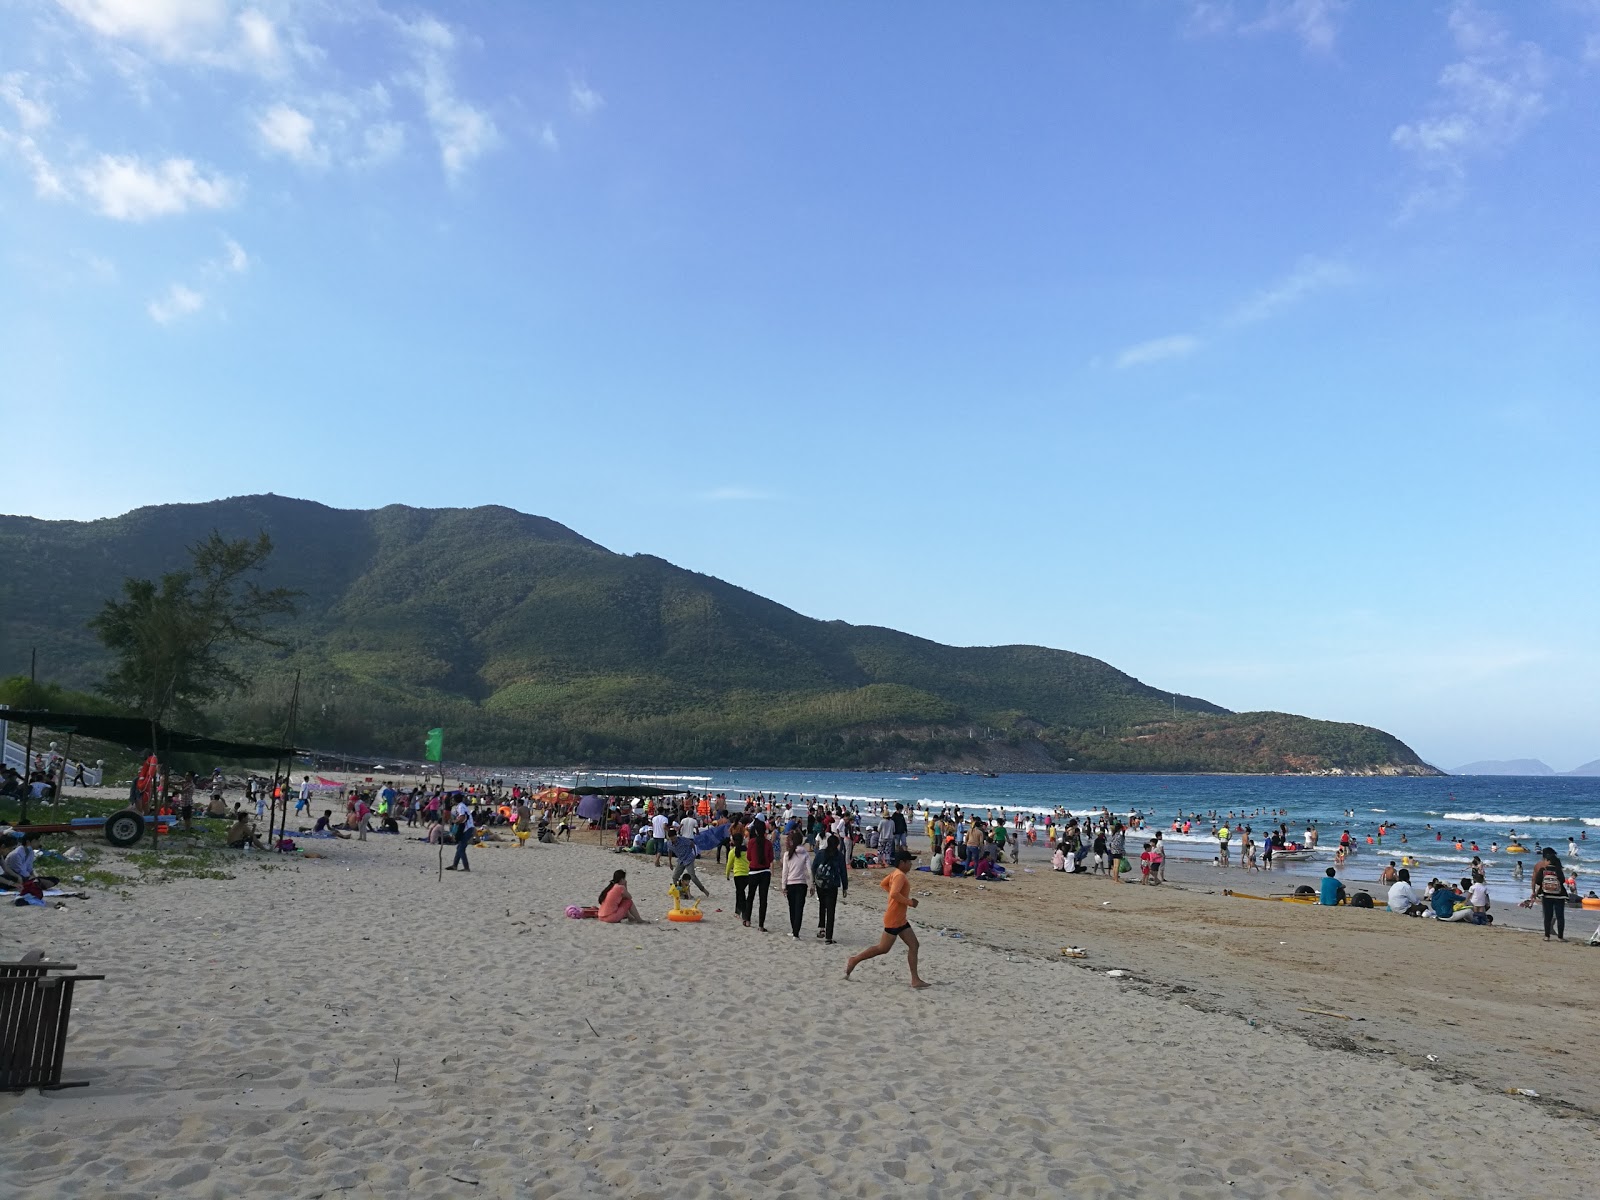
(897,930)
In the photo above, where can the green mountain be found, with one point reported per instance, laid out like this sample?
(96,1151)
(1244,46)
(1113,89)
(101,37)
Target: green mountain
(533,645)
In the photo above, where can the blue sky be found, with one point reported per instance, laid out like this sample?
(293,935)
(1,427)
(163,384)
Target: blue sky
(1252,347)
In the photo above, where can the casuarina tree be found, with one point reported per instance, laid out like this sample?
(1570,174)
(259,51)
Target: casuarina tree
(170,638)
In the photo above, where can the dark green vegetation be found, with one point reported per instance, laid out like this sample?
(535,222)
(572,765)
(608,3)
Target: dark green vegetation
(531,644)
(170,639)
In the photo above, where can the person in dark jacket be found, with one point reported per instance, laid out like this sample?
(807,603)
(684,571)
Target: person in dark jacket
(831,873)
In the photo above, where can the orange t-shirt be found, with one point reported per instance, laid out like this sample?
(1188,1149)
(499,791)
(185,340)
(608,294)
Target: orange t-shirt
(899,889)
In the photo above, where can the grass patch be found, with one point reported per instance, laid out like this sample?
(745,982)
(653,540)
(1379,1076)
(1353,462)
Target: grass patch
(162,866)
(105,879)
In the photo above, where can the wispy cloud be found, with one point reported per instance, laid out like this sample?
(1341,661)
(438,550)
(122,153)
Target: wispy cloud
(234,260)
(1485,101)
(1314,23)
(1178,345)
(125,188)
(583,99)
(32,115)
(31,111)
(201,31)
(287,131)
(726,494)
(177,302)
(464,132)
(1311,275)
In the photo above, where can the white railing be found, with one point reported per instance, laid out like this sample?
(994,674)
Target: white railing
(16,757)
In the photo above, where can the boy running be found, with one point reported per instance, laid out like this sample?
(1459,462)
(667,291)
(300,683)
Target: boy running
(895,921)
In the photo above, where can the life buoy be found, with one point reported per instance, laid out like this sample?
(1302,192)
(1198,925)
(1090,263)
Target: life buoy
(685,914)
(1591,901)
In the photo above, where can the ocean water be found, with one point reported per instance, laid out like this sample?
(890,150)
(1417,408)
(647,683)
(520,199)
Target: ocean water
(1431,814)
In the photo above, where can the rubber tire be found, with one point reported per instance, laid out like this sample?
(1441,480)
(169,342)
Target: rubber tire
(125,828)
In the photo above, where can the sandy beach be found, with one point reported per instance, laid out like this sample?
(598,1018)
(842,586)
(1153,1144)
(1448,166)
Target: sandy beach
(352,1025)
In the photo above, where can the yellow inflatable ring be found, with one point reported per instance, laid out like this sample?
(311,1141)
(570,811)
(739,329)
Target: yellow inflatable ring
(1591,902)
(685,914)
(1516,849)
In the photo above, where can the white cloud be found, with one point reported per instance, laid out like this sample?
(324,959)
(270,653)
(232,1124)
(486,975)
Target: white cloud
(1485,102)
(547,137)
(203,31)
(32,113)
(381,143)
(584,100)
(171,27)
(259,36)
(234,260)
(464,132)
(47,181)
(1179,345)
(290,132)
(1311,275)
(1315,23)
(124,188)
(178,302)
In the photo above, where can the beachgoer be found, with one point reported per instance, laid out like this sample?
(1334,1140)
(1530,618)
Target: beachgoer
(17,867)
(1403,897)
(1550,887)
(830,872)
(797,885)
(896,921)
(658,835)
(241,834)
(759,852)
(1478,897)
(738,869)
(616,905)
(1390,873)
(684,853)
(1331,890)
(462,826)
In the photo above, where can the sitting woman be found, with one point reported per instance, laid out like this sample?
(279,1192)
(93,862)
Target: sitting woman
(616,905)
(16,869)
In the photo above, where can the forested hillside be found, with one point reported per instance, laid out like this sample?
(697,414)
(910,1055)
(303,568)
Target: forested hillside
(533,645)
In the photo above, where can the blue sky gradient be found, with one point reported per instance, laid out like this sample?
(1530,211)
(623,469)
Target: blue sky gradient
(1250,346)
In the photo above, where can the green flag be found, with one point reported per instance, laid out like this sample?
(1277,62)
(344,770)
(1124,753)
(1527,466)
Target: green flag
(433,747)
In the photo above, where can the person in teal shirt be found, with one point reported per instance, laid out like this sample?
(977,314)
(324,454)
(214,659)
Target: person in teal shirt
(1332,890)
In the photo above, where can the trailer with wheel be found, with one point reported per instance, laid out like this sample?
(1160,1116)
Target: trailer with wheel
(122,829)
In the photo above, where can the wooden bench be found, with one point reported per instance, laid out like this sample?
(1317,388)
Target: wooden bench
(35,1010)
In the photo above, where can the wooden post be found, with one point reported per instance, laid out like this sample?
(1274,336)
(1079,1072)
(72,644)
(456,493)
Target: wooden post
(288,780)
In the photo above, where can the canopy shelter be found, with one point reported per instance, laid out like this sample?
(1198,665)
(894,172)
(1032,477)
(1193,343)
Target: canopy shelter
(137,734)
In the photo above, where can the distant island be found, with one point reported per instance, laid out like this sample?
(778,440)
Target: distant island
(1506,766)
(1522,766)
(532,645)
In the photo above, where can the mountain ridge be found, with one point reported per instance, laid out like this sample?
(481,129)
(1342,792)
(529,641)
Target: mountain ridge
(534,644)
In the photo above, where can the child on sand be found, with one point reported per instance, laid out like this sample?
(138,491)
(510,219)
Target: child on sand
(895,920)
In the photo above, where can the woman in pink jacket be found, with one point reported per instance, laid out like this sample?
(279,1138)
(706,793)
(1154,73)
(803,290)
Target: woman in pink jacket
(796,880)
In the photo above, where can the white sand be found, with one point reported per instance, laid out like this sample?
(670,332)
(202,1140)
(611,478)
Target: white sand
(245,1043)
